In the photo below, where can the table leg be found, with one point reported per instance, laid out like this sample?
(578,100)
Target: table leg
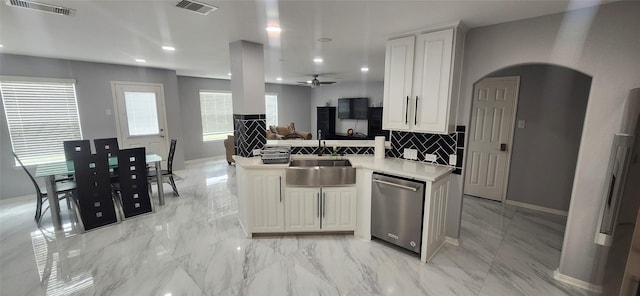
(159,181)
(54,206)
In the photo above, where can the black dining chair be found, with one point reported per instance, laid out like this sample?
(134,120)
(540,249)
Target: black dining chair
(132,190)
(168,173)
(94,196)
(66,188)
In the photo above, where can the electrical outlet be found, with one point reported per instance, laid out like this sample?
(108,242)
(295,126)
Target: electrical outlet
(430,157)
(410,154)
(256,152)
(453,159)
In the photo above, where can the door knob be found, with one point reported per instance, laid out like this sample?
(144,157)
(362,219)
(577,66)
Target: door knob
(503,147)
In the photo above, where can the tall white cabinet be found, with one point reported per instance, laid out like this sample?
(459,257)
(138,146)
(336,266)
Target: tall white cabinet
(422,74)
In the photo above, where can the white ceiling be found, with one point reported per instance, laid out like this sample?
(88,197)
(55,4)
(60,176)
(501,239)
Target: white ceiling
(121,31)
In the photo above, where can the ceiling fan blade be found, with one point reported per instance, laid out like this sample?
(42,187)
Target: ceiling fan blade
(327,82)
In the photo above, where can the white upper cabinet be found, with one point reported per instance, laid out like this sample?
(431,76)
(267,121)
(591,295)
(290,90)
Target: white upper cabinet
(398,74)
(421,82)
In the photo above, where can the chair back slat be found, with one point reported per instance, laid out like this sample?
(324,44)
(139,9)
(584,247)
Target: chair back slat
(94,191)
(134,191)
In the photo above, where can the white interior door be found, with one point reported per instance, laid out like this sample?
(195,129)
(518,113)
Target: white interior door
(140,116)
(490,137)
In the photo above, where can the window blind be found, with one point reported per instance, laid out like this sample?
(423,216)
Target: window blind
(271,109)
(41,113)
(216,109)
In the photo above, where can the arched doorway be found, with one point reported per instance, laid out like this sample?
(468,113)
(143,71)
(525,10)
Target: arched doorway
(547,128)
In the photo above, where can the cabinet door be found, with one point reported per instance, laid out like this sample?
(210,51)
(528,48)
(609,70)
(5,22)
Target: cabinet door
(338,208)
(398,67)
(431,82)
(267,197)
(302,209)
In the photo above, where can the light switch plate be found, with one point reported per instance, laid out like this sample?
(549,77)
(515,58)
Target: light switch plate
(453,159)
(430,157)
(521,123)
(256,152)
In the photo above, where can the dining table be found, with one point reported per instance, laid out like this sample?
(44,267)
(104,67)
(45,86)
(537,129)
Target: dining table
(49,171)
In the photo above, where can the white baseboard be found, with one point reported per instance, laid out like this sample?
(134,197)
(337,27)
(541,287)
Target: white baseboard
(18,199)
(576,282)
(211,158)
(537,208)
(452,241)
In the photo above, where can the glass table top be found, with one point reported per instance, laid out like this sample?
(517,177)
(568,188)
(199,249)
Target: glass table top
(66,167)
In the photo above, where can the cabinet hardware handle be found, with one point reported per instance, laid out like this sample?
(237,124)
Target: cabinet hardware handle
(406,112)
(280,180)
(415,115)
(324,204)
(503,147)
(395,185)
(318,199)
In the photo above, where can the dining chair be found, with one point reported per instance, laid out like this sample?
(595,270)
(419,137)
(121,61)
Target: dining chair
(134,198)
(94,195)
(64,187)
(168,173)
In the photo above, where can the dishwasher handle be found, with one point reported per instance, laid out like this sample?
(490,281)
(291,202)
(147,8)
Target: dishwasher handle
(414,189)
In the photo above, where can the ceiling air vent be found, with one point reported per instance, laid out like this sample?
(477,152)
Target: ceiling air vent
(198,7)
(55,9)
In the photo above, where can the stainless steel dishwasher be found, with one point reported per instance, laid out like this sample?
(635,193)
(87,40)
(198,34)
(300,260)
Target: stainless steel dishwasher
(397,206)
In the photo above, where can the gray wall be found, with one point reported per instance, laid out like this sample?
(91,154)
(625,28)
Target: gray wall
(331,93)
(293,105)
(601,42)
(552,102)
(94,98)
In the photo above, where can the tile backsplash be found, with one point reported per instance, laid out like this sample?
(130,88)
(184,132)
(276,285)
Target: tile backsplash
(440,145)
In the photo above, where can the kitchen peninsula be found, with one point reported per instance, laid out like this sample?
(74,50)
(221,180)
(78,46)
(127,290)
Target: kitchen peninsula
(269,205)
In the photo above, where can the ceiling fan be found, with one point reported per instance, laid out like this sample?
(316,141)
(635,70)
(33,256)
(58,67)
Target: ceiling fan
(315,82)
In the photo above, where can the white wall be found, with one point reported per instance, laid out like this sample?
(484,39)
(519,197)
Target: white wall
(331,93)
(602,42)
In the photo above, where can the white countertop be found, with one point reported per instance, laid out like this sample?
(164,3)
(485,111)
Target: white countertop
(327,143)
(394,166)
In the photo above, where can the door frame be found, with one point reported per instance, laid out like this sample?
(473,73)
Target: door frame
(117,115)
(470,132)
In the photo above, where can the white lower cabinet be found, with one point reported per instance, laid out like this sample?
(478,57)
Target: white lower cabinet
(314,209)
(302,209)
(267,209)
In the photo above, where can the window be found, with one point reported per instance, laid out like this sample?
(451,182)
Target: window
(271,109)
(216,110)
(41,114)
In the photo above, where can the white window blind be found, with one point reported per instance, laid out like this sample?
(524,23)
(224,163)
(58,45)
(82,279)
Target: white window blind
(271,109)
(41,113)
(216,110)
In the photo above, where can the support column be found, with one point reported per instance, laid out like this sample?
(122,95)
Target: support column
(247,88)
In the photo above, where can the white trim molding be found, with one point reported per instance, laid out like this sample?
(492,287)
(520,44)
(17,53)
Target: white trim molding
(452,241)
(576,282)
(537,208)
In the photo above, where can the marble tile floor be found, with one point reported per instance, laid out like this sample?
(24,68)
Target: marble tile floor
(194,246)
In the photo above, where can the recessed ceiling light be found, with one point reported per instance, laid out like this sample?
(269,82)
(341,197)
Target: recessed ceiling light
(279,78)
(168,48)
(309,81)
(317,60)
(364,69)
(1,46)
(274,29)
(141,60)
(229,73)
(324,39)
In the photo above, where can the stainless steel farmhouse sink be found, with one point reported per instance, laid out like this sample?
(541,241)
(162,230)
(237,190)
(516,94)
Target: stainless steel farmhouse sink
(320,172)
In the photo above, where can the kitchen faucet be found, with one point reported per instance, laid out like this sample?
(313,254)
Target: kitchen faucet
(319,144)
